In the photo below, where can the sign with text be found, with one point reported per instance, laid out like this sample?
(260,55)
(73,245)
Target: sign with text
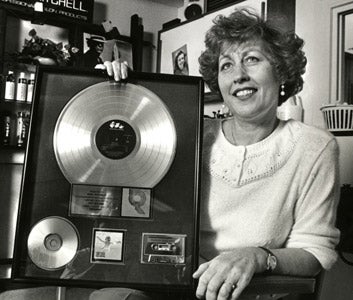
(68,10)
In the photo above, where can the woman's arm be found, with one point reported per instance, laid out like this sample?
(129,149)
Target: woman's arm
(230,273)
(296,262)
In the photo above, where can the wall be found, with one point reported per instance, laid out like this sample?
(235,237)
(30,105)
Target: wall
(314,26)
(153,15)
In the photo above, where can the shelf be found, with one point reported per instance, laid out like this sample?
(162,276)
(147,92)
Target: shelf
(11,155)
(14,102)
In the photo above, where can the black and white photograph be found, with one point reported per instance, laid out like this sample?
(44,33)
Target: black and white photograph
(180,61)
(107,246)
(180,150)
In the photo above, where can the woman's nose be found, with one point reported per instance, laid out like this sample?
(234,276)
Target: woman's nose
(240,74)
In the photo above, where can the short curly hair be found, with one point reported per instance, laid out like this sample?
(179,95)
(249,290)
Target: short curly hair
(243,25)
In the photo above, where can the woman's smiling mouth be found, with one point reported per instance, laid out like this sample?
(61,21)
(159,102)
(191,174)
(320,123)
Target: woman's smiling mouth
(244,93)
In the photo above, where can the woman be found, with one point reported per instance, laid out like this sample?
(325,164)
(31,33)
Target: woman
(180,64)
(270,188)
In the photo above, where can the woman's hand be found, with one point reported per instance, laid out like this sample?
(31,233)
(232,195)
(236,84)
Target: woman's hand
(227,275)
(117,69)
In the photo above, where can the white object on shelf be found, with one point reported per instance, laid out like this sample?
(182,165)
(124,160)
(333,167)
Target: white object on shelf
(10,86)
(30,86)
(21,90)
(338,117)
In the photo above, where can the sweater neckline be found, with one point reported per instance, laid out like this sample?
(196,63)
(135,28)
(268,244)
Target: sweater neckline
(251,147)
(240,165)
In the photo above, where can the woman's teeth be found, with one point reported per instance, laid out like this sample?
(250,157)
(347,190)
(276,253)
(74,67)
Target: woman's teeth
(244,93)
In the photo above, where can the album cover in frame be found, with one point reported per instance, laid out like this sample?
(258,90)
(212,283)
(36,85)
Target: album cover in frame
(110,189)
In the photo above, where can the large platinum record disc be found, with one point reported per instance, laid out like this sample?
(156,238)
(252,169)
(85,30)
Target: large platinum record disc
(115,134)
(52,243)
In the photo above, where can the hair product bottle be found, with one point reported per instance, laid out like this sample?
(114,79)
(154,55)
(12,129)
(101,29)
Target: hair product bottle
(21,91)
(21,129)
(30,86)
(6,135)
(10,86)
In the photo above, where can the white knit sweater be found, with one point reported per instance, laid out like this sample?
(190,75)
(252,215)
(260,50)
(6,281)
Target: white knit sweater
(281,192)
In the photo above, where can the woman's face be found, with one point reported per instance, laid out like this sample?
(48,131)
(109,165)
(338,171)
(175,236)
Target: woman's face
(181,61)
(248,82)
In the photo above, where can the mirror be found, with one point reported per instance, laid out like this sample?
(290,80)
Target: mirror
(347,60)
(341,89)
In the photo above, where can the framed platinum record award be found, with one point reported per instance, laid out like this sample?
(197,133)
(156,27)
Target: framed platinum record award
(110,190)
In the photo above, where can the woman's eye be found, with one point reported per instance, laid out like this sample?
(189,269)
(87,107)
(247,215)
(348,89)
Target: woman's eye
(225,66)
(251,59)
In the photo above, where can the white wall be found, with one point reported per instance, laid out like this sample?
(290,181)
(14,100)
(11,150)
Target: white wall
(153,15)
(313,24)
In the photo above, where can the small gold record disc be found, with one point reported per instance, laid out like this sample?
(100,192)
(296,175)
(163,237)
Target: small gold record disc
(52,243)
(115,134)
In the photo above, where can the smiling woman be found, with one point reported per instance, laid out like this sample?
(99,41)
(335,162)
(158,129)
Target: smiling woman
(259,191)
(266,207)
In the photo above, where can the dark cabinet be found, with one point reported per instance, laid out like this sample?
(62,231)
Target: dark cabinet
(15,113)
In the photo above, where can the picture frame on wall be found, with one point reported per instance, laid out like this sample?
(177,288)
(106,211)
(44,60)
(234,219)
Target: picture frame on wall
(180,61)
(109,49)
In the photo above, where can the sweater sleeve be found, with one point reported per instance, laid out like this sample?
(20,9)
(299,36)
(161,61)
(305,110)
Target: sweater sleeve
(315,212)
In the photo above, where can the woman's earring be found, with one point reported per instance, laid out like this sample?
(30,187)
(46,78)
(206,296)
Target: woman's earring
(282,93)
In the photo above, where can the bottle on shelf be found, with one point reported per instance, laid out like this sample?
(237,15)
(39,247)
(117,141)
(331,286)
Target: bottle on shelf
(21,129)
(10,86)
(21,89)
(6,134)
(30,86)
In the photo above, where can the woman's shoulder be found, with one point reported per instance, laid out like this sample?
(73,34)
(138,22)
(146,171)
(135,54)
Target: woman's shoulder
(310,136)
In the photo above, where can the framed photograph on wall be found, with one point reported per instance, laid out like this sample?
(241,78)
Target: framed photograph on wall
(180,61)
(107,50)
(95,42)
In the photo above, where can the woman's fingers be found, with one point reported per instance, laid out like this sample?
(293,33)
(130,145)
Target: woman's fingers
(230,283)
(219,287)
(117,69)
(226,276)
(109,67)
(202,268)
(203,286)
(100,67)
(242,283)
(226,290)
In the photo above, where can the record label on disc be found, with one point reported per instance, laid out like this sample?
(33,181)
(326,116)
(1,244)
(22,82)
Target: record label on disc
(52,243)
(116,139)
(115,134)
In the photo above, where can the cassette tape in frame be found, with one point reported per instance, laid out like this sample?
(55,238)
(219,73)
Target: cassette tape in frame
(118,166)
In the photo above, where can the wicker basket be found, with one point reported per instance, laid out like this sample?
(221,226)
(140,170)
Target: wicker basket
(338,118)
